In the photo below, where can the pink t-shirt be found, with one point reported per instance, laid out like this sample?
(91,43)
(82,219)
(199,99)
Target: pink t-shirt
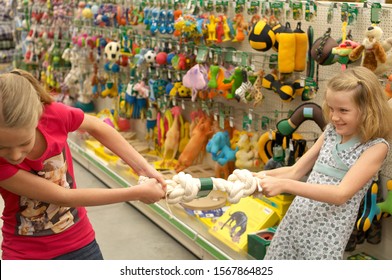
(34,229)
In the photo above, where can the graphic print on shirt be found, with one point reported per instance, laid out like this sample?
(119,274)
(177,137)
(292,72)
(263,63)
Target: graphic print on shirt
(37,218)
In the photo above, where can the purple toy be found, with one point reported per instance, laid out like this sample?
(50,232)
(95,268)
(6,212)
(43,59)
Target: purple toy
(196,79)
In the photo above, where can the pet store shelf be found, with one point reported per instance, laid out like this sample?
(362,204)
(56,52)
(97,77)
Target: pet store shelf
(186,229)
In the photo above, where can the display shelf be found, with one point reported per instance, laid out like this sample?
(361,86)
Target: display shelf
(186,229)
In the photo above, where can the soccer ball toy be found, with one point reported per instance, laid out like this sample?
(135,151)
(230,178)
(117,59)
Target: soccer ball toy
(261,37)
(112,51)
(150,56)
(112,55)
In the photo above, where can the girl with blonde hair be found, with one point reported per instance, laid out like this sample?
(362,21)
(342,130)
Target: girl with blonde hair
(44,215)
(342,165)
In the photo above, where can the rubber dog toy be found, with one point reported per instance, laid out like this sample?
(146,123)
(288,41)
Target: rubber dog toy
(237,80)
(306,111)
(386,206)
(219,147)
(371,209)
(286,92)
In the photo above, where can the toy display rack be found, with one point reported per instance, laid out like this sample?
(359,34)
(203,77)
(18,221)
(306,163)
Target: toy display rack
(187,229)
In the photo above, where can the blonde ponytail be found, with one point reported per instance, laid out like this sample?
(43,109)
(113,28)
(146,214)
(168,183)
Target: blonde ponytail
(21,99)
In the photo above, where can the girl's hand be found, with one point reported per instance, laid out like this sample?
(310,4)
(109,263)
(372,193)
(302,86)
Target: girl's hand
(150,191)
(271,186)
(260,174)
(153,173)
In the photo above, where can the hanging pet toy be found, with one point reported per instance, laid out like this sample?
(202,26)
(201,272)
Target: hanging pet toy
(112,68)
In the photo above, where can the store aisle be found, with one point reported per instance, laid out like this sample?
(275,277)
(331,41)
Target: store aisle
(124,233)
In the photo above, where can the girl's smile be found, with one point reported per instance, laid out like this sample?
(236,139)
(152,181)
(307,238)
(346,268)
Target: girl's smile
(344,114)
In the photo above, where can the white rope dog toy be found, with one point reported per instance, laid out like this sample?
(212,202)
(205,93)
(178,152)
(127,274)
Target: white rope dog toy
(184,188)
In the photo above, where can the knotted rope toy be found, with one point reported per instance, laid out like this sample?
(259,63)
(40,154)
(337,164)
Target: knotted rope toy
(184,188)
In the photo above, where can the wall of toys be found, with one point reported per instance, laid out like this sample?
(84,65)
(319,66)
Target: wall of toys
(205,86)
(7,33)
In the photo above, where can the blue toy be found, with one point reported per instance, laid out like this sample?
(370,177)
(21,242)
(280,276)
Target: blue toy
(219,147)
(170,22)
(112,68)
(154,21)
(162,21)
(371,209)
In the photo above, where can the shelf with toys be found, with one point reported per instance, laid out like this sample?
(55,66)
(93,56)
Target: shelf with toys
(198,224)
(184,228)
(159,75)
(191,223)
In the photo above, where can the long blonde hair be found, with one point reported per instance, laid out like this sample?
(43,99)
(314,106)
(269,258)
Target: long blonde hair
(369,96)
(21,99)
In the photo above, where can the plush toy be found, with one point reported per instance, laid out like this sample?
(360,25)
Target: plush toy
(322,47)
(195,79)
(158,88)
(247,155)
(286,92)
(174,89)
(261,36)
(141,91)
(241,92)
(373,51)
(150,57)
(301,48)
(179,61)
(343,51)
(151,122)
(286,50)
(219,147)
(255,91)
(183,91)
(112,68)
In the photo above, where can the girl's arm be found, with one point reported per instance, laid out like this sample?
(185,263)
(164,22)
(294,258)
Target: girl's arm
(300,168)
(24,183)
(359,174)
(113,140)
